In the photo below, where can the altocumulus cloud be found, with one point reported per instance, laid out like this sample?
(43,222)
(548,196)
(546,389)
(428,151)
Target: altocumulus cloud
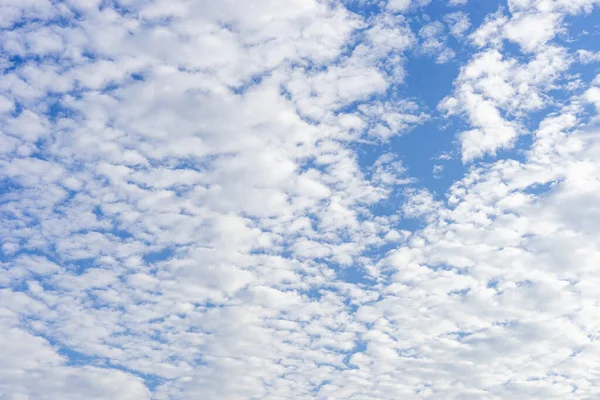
(302,199)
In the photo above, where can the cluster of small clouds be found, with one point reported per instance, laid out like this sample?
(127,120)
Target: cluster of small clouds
(185,214)
(496,90)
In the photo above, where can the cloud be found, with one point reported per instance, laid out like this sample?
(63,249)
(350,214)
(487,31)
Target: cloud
(224,200)
(494,90)
(587,57)
(504,237)
(406,5)
(458,23)
(433,42)
(31,368)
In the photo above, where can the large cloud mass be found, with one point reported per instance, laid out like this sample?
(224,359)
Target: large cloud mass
(213,200)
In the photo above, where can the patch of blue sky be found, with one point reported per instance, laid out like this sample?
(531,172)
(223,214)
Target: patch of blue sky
(360,347)
(158,256)
(60,21)
(17,62)
(354,274)
(250,83)
(9,261)
(115,230)
(459,292)
(540,189)
(428,83)
(8,187)
(479,10)
(75,358)
(364,8)
(582,29)
(56,109)
(79,265)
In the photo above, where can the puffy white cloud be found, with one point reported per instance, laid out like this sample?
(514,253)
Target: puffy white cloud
(406,5)
(587,57)
(518,245)
(592,95)
(495,90)
(209,200)
(458,23)
(433,42)
(31,368)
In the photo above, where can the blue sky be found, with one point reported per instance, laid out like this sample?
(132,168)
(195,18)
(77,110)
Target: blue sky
(302,199)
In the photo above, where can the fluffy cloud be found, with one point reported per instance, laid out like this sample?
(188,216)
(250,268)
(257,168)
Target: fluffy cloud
(433,42)
(214,200)
(497,88)
(458,23)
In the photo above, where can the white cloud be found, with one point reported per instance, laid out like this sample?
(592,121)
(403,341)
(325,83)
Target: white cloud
(458,23)
(521,29)
(592,95)
(495,91)
(434,42)
(496,231)
(210,200)
(31,368)
(587,57)
(406,5)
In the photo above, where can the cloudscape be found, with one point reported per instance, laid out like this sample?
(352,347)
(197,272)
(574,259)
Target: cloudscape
(299,199)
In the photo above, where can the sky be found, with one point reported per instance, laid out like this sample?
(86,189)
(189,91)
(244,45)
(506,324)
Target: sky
(300,199)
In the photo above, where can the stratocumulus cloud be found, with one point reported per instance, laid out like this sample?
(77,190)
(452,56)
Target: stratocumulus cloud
(299,199)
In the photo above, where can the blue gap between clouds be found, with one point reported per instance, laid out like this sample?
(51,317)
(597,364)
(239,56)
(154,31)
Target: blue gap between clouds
(76,358)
